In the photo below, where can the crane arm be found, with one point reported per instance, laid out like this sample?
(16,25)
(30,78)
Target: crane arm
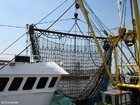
(85,13)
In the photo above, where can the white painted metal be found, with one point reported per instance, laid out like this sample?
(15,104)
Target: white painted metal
(34,96)
(43,68)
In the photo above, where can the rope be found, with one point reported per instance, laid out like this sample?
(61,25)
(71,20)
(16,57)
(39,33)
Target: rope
(36,38)
(110,52)
(53,21)
(11,26)
(97,20)
(82,92)
(50,13)
(12,43)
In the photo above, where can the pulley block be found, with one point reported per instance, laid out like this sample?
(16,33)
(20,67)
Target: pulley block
(122,31)
(77,6)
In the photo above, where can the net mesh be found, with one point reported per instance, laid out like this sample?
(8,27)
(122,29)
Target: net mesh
(78,56)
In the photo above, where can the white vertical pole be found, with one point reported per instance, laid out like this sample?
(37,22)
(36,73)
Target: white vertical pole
(119,11)
(27,39)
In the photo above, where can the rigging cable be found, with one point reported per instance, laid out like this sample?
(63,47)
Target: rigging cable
(51,12)
(11,26)
(124,10)
(13,43)
(98,71)
(107,57)
(36,38)
(124,13)
(97,20)
(82,34)
(53,21)
(107,7)
(121,61)
(60,17)
(132,13)
(132,54)
(25,27)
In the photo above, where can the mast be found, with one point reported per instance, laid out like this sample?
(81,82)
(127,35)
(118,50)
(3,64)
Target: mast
(119,11)
(132,37)
(137,22)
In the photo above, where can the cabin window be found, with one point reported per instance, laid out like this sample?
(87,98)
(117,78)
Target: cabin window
(15,83)
(42,82)
(3,82)
(29,83)
(53,81)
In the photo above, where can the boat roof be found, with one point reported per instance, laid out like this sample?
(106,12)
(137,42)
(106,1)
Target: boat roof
(42,68)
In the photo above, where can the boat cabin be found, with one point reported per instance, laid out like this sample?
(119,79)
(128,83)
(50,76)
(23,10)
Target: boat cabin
(33,82)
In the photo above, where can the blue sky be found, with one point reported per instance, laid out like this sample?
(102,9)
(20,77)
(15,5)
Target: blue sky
(22,12)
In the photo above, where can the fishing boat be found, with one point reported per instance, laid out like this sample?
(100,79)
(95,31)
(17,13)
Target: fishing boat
(88,56)
(77,54)
(24,83)
(26,80)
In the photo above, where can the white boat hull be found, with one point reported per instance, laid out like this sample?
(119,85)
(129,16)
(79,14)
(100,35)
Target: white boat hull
(27,99)
(29,84)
